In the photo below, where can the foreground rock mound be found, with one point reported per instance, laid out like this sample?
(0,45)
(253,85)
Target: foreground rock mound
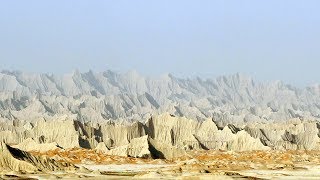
(138,147)
(165,151)
(21,161)
(146,147)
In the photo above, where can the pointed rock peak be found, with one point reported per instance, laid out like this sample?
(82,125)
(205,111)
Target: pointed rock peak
(210,122)
(240,78)
(12,73)
(109,72)
(76,73)
(102,148)
(199,79)
(90,72)
(243,78)
(227,129)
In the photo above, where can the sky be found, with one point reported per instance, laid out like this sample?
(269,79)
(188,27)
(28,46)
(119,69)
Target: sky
(268,40)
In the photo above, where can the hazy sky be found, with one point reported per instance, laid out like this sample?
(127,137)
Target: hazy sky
(274,39)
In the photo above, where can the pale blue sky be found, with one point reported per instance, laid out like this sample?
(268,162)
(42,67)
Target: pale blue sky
(274,39)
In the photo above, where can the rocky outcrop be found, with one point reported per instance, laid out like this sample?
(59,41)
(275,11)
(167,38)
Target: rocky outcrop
(9,162)
(138,147)
(101,148)
(146,147)
(22,161)
(118,134)
(162,150)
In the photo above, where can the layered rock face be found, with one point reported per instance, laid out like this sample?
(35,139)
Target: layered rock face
(166,134)
(96,97)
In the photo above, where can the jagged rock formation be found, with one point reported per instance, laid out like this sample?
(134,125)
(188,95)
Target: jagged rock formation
(163,133)
(21,161)
(96,97)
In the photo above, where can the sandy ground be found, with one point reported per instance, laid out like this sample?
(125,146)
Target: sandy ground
(126,167)
(310,172)
(197,165)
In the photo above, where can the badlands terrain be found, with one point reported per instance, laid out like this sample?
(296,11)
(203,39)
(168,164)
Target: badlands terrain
(111,125)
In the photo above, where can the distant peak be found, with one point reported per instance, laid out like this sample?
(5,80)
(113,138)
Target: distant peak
(76,72)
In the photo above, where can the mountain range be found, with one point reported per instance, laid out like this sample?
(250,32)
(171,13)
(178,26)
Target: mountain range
(102,96)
